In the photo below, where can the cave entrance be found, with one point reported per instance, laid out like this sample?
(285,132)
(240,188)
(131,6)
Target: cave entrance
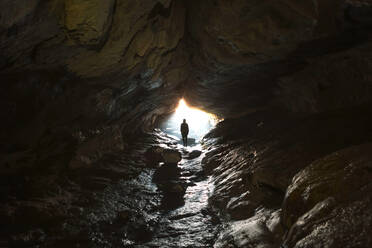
(199,121)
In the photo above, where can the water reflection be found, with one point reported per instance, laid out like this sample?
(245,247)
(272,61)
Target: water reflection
(200,122)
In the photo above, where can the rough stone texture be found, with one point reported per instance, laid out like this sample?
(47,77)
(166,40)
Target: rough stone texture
(88,21)
(251,232)
(328,202)
(82,80)
(250,31)
(171,156)
(254,159)
(300,56)
(161,154)
(333,81)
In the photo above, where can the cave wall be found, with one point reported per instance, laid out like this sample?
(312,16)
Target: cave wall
(247,55)
(299,56)
(80,80)
(77,67)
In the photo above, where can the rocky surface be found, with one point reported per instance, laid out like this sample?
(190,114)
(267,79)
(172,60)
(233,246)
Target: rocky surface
(328,201)
(82,81)
(271,193)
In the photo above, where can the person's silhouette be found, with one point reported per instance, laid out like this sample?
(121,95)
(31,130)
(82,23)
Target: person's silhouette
(184,132)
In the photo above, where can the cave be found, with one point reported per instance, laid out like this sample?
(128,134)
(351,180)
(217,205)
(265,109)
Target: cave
(277,95)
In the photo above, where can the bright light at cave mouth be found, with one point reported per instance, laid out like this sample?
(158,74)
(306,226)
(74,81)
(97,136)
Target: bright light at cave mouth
(200,122)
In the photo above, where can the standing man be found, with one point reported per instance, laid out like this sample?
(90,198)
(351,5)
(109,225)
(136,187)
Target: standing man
(184,132)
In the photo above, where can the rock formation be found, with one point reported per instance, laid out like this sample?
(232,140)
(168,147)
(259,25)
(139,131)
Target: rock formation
(83,81)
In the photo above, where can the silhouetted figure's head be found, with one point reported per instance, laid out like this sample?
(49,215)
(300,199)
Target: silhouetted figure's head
(184,120)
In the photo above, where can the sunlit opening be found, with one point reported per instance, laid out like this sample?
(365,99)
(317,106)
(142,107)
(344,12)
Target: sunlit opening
(199,122)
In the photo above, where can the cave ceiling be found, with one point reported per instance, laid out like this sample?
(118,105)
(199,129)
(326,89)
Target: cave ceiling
(259,52)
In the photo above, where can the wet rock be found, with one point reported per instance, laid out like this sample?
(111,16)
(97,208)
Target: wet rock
(211,160)
(95,145)
(174,192)
(194,154)
(263,161)
(124,64)
(182,216)
(330,195)
(246,233)
(155,154)
(176,188)
(167,172)
(171,156)
(239,210)
(274,224)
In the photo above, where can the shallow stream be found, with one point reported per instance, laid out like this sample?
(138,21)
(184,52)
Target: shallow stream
(136,213)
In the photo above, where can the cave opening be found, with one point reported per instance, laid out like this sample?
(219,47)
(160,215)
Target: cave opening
(200,122)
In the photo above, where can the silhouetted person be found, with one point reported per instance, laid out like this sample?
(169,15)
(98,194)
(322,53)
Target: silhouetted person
(184,132)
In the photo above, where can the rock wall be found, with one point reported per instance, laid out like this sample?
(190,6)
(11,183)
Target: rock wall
(80,66)
(81,80)
(292,181)
(258,54)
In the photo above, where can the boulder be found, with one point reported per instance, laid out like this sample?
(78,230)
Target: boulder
(167,172)
(177,188)
(174,192)
(239,210)
(157,154)
(171,156)
(246,233)
(194,154)
(327,202)
(153,155)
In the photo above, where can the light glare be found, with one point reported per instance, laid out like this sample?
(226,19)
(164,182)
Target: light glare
(199,122)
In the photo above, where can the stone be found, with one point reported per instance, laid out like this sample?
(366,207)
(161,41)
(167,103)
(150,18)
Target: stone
(171,156)
(88,21)
(241,209)
(76,69)
(153,155)
(246,233)
(174,192)
(156,154)
(331,189)
(175,188)
(194,154)
(167,172)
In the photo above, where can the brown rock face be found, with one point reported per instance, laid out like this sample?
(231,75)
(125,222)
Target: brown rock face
(83,80)
(330,195)
(271,191)
(87,22)
(241,32)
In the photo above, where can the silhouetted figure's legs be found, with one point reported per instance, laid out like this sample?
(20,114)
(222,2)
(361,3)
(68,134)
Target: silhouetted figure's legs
(184,140)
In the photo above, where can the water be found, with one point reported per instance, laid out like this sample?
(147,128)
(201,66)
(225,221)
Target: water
(190,225)
(130,213)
